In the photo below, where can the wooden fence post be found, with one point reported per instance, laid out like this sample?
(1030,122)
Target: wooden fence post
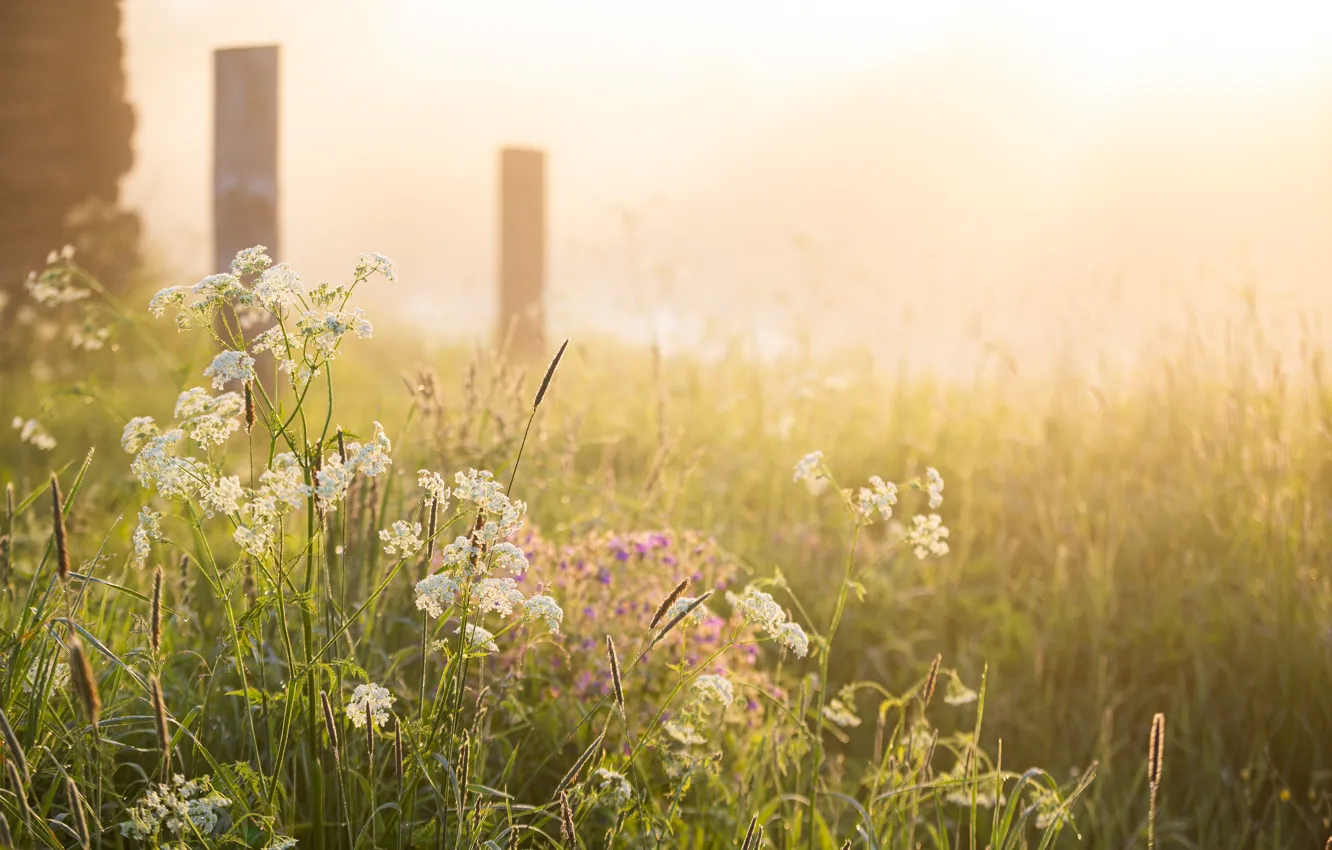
(245,158)
(522,259)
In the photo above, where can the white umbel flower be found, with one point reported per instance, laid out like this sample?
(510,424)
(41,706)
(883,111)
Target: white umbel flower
(435,593)
(544,608)
(230,366)
(713,688)
(809,471)
(378,700)
(402,539)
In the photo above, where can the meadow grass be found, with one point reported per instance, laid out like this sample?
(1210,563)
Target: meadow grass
(1118,549)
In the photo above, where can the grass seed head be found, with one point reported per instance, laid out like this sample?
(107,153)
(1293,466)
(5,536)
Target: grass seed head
(15,749)
(6,837)
(566,820)
(1156,751)
(550,373)
(615,673)
(155,621)
(249,407)
(75,801)
(667,603)
(84,683)
(932,680)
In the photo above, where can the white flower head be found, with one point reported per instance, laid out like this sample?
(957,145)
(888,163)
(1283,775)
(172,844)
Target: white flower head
(278,287)
(711,687)
(332,482)
(230,366)
(460,555)
(32,432)
(758,608)
(614,789)
(934,485)
(403,539)
(544,608)
(791,636)
(841,714)
(368,264)
(879,497)
(223,496)
(481,488)
(496,594)
(810,472)
(373,700)
(251,261)
(435,593)
(509,557)
(479,641)
(434,484)
(958,693)
(138,431)
(149,530)
(372,458)
(928,536)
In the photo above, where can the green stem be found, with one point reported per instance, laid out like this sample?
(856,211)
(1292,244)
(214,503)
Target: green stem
(823,684)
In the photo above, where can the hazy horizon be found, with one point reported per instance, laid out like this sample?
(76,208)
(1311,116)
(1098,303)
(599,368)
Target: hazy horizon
(973,170)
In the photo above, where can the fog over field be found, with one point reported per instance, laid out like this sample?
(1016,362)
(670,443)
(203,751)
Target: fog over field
(953,173)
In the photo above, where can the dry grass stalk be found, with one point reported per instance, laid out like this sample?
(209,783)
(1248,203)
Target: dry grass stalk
(1155,758)
(369,738)
(567,821)
(84,683)
(58,527)
(20,789)
(75,800)
(15,750)
(931,681)
(160,726)
(331,725)
(667,603)
(675,621)
(583,759)
(550,373)
(155,621)
(615,673)
(249,408)
(430,534)
(6,837)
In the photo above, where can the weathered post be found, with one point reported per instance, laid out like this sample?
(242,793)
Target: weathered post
(245,158)
(522,260)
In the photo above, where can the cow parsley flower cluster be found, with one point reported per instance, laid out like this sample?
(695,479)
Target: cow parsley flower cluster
(148,531)
(31,431)
(879,497)
(467,563)
(759,609)
(208,420)
(711,687)
(230,366)
(934,485)
(369,700)
(403,539)
(840,714)
(613,789)
(928,536)
(811,472)
(180,808)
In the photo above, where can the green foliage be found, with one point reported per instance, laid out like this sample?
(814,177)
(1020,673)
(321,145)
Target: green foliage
(1156,545)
